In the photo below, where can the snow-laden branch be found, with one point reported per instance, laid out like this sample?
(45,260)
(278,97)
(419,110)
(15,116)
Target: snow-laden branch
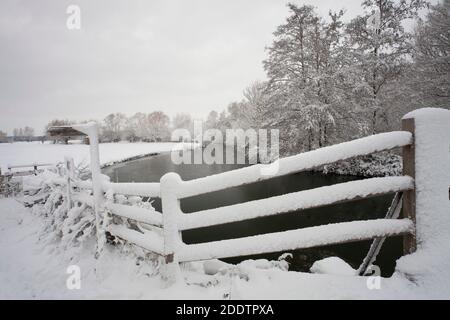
(83,198)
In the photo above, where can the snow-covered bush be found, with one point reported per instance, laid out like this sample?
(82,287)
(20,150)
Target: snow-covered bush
(46,195)
(9,185)
(66,229)
(374,165)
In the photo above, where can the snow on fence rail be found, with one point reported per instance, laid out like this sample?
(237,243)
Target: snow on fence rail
(32,165)
(171,189)
(310,237)
(135,213)
(150,240)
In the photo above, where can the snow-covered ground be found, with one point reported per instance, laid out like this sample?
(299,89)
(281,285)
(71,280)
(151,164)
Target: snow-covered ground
(35,152)
(34,261)
(32,268)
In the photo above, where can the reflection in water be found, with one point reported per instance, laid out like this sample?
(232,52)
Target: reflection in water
(153,168)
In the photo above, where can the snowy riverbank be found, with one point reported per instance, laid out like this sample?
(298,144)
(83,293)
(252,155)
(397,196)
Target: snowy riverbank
(376,165)
(35,152)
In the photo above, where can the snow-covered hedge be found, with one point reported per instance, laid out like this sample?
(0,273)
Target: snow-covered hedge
(374,165)
(46,195)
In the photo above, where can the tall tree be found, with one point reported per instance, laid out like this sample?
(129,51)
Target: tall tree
(139,122)
(256,104)
(182,121)
(158,126)
(380,47)
(3,136)
(212,120)
(113,126)
(432,56)
(28,133)
(302,66)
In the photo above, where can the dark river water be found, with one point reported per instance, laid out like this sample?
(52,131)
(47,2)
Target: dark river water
(153,168)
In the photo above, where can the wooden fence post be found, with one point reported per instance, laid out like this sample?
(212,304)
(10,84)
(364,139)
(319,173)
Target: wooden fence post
(70,174)
(171,210)
(409,197)
(91,129)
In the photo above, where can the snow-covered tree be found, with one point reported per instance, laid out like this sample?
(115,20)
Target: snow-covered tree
(113,126)
(182,121)
(3,136)
(380,47)
(23,134)
(139,122)
(158,126)
(432,56)
(223,122)
(129,131)
(17,133)
(28,132)
(212,120)
(256,104)
(303,67)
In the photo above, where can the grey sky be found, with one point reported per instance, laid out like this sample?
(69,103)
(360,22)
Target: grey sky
(129,56)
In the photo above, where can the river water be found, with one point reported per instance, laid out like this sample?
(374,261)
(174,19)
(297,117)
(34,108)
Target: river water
(151,169)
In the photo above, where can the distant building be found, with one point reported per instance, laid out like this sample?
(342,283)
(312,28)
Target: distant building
(62,134)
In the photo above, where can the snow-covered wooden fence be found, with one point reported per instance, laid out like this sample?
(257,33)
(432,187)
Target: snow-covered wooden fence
(172,221)
(11,180)
(35,167)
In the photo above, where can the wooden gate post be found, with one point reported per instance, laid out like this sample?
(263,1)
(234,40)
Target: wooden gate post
(409,196)
(428,162)
(171,210)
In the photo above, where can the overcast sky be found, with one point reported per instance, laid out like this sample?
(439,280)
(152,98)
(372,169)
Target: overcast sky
(130,56)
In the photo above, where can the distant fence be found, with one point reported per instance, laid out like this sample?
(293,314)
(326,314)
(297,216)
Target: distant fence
(10,183)
(33,165)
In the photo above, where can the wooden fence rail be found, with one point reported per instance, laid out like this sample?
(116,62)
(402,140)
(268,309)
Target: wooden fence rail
(33,166)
